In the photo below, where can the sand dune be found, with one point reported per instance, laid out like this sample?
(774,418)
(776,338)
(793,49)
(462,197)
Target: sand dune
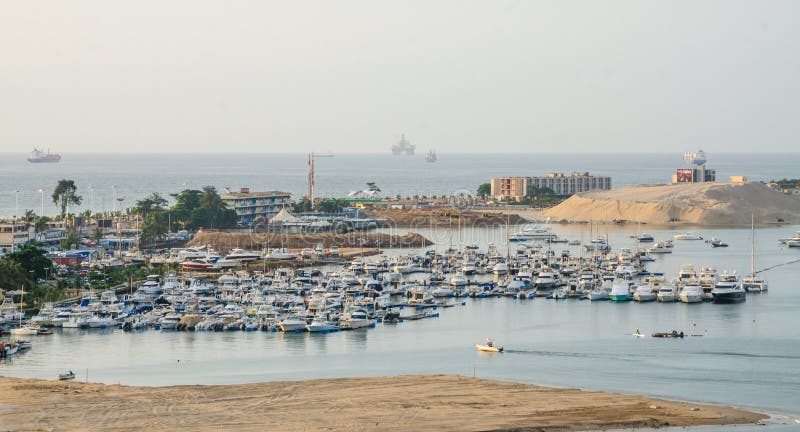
(701,204)
(403,403)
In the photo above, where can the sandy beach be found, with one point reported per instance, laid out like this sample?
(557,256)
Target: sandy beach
(401,403)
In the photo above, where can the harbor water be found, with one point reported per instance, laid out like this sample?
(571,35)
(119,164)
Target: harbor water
(747,355)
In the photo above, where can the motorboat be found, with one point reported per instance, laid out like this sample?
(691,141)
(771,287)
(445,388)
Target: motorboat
(356,319)
(660,247)
(281,255)
(458,280)
(489,346)
(728,289)
(293,323)
(66,376)
(500,269)
(320,325)
(242,255)
(687,236)
(644,293)
(666,294)
(442,291)
(468,268)
(169,321)
(716,243)
(644,238)
(754,284)
(691,294)
(25,330)
(535,232)
(620,291)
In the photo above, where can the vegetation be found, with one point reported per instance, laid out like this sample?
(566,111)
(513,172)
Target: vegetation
(332,205)
(193,209)
(65,194)
(484,190)
(787,183)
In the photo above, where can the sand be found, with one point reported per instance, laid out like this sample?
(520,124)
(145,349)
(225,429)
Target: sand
(402,403)
(696,204)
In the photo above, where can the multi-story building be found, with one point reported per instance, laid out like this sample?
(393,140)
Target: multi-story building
(519,188)
(253,207)
(14,235)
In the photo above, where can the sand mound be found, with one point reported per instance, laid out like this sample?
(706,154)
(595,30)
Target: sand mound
(701,204)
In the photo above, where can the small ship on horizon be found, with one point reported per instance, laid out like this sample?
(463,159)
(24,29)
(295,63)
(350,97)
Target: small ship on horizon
(40,156)
(431,157)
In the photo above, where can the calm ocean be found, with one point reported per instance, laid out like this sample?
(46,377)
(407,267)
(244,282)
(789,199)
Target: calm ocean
(138,175)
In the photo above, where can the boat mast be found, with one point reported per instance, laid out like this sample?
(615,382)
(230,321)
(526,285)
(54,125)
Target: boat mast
(753,245)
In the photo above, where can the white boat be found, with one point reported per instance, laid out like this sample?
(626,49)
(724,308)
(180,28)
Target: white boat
(620,291)
(292,323)
(660,247)
(66,376)
(468,268)
(691,294)
(500,269)
(169,321)
(355,320)
(319,325)
(101,322)
(535,232)
(457,280)
(489,346)
(666,294)
(442,291)
(688,236)
(793,243)
(281,255)
(26,330)
(600,293)
(242,255)
(728,289)
(644,293)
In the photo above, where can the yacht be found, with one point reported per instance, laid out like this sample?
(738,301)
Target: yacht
(691,294)
(644,293)
(754,284)
(688,236)
(500,269)
(458,280)
(660,247)
(666,294)
(281,255)
(600,292)
(293,323)
(644,238)
(535,232)
(620,291)
(443,291)
(355,320)
(169,321)
(728,289)
(468,268)
(320,325)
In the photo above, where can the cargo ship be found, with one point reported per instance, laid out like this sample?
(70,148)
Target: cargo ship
(39,156)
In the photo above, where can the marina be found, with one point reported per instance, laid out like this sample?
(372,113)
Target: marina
(433,334)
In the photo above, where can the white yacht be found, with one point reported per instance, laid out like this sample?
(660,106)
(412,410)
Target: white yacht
(688,236)
(644,293)
(355,320)
(458,280)
(660,247)
(666,294)
(500,269)
(691,294)
(292,323)
(728,289)
(620,291)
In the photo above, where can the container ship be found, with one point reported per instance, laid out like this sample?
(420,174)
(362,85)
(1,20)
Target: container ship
(39,156)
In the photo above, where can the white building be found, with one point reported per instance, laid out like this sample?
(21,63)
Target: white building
(562,185)
(14,235)
(255,206)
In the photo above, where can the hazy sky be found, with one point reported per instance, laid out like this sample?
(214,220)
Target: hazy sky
(351,76)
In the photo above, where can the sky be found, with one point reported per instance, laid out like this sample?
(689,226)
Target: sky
(352,75)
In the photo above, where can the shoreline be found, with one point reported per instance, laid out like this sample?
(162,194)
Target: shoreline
(393,403)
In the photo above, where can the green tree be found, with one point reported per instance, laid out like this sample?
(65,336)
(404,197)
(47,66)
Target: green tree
(65,194)
(153,203)
(484,190)
(97,235)
(13,276)
(302,206)
(41,223)
(154,226)
(332,205)
(33,260)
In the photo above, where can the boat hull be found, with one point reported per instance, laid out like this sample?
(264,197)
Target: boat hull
(737,296)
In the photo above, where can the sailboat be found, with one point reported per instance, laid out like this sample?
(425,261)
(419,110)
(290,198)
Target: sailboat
(24,330)
(753,283)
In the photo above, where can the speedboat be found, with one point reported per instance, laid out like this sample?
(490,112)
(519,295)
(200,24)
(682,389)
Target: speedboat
(644,238)
(66,376)
(728,289)
(688,236)
(26,330)
(489,346)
